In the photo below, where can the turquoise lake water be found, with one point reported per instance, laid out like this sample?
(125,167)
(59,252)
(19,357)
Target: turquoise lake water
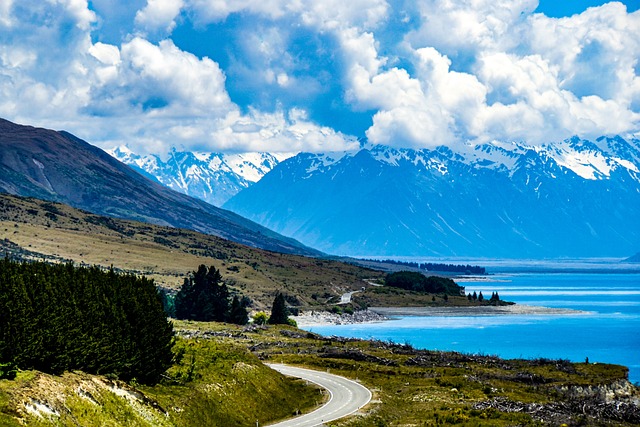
(605,329)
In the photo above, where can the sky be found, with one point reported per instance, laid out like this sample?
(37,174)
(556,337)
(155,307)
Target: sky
(300,75)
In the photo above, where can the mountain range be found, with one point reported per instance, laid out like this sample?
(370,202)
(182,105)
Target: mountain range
(212,177)
(58,166)
(574,198)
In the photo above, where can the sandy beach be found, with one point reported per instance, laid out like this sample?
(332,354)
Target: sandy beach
(380,314)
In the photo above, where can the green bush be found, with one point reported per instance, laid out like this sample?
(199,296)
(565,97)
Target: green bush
(8,371)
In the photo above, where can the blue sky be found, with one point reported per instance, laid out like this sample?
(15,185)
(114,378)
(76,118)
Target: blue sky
(290,76)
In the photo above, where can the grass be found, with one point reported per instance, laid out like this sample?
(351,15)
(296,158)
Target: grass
(427,388)
(221,380)
(168,254)
(217,383)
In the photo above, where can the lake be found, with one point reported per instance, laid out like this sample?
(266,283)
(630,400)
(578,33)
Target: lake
(604,328)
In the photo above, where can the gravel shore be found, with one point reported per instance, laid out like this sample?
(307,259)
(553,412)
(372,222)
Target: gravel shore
(379,314)
(487,310)
(319,318)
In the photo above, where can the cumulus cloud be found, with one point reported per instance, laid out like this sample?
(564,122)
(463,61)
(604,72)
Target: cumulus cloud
(159,15)
(492,70)
(327,14)
(426,74)
(149,95)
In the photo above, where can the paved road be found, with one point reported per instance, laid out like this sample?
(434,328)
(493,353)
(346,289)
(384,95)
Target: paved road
(346,396)
(346,298)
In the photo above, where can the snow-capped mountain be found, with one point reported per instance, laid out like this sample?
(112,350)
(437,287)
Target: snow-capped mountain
(572,198)
(212,177)
(60,167)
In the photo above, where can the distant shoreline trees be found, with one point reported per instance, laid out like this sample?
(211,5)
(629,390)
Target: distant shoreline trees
(449,268)
(414,281)
(56,318)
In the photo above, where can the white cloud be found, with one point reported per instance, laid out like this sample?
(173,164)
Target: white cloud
(79,11)
(526,77)
(460,28)
(597,51)
(328,14)
(279,132)
(159,15)
(5,13)
(187,84)
(433,73)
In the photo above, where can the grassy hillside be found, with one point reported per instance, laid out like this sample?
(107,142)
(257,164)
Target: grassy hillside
(220,381)
(38,229)
(429,388)
(217,383)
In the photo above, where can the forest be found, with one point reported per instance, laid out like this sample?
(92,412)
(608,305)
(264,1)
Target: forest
(449,268)
(413,281)
(56,318)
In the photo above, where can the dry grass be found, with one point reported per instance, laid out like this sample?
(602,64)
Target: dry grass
(168,254)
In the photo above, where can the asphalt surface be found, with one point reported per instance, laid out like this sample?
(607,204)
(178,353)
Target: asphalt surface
(346,298)
(346,396)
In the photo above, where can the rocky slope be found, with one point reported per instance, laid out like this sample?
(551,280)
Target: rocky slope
(58,166)
(212,177)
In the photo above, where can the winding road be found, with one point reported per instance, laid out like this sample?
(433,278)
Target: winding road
(347,396)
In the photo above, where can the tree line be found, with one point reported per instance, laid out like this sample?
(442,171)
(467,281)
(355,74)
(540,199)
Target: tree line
(414,281)
(204,296)
(56,318)
(450,268)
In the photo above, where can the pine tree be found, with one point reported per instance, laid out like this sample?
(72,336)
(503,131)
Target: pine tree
(279,312)
(238,313)
(203,296)
(59,317)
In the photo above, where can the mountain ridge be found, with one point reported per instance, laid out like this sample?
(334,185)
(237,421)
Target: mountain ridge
(212,177)
(508,200)
(59,166)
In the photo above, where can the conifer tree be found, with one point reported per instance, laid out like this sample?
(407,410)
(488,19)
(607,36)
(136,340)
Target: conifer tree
(59,317)
(203,296)
(238,313)
(279,312)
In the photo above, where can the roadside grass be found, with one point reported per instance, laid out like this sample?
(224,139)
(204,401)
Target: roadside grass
(217,383)
(427,388)
(220,380)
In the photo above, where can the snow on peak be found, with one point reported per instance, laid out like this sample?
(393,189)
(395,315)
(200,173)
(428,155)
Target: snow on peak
(321,162)
(213,177)
(251,166)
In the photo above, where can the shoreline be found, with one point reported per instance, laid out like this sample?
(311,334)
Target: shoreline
(381,314)
(485,310)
